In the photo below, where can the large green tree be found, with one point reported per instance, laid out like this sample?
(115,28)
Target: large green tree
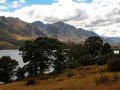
(7,68)
(107,48)
(77,51)
(43,53)
(94,45)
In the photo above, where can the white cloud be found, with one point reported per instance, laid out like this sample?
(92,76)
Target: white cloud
(16,4)
(3,8)
(22,1)
(2,1)
(102,16)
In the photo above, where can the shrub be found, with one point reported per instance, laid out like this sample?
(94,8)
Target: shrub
(43,78)
(106,79)
(101,62)
(59,79)
(70,74)
(103,59)
(31,82)
(113,65)
(116,77)
(101,79)
(73,64)
(86,60)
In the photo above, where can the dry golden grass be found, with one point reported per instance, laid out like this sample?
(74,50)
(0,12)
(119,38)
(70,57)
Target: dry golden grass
(51,84)
(108,86)
(18,37)
(82,79)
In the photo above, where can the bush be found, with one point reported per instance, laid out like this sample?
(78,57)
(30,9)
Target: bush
(43,78)
(101,79)
(31,82)
(106,79)
(86,60)
(59,79)
(116,77)
(103,60)
(70,74)
(113,65)
(73,64)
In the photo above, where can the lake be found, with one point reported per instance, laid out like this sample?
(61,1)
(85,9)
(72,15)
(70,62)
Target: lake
(14,54)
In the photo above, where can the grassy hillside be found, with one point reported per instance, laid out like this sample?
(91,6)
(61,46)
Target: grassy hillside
(4,44)
(76,79)
(13,30)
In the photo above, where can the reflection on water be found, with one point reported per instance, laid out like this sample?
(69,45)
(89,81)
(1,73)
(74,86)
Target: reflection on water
(14,54)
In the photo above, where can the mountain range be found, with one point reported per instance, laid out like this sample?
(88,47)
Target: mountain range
(115,41)
(13,32)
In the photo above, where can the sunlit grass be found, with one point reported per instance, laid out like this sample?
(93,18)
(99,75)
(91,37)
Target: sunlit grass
(81,79)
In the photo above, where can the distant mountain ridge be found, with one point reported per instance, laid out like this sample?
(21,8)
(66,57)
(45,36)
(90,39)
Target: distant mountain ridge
(13,32)
(113,40)
(64,32)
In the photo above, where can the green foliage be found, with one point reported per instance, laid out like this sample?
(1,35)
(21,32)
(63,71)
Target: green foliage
(7,68)
(31,82)
(43,53)
(94,46)
(107,48)
(113,65)
(79,56)
(82,61)
(20,73)
(94,51)
(58,66)
(103,59)
(86,60)
(73,64)
(78,50)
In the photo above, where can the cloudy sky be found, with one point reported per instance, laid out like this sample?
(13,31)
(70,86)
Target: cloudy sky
(101,16)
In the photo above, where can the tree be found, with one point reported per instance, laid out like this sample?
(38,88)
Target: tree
(42,53)
(94,46)
(107,48)
(86,60)
(77,51)
(7,68)
(20,73)
(103,59)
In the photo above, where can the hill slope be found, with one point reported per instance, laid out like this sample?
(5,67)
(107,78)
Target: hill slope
(14,32)
(63,32)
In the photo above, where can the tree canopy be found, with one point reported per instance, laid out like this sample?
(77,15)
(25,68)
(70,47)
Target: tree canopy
(94,45)
(7,68)
(42,53)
